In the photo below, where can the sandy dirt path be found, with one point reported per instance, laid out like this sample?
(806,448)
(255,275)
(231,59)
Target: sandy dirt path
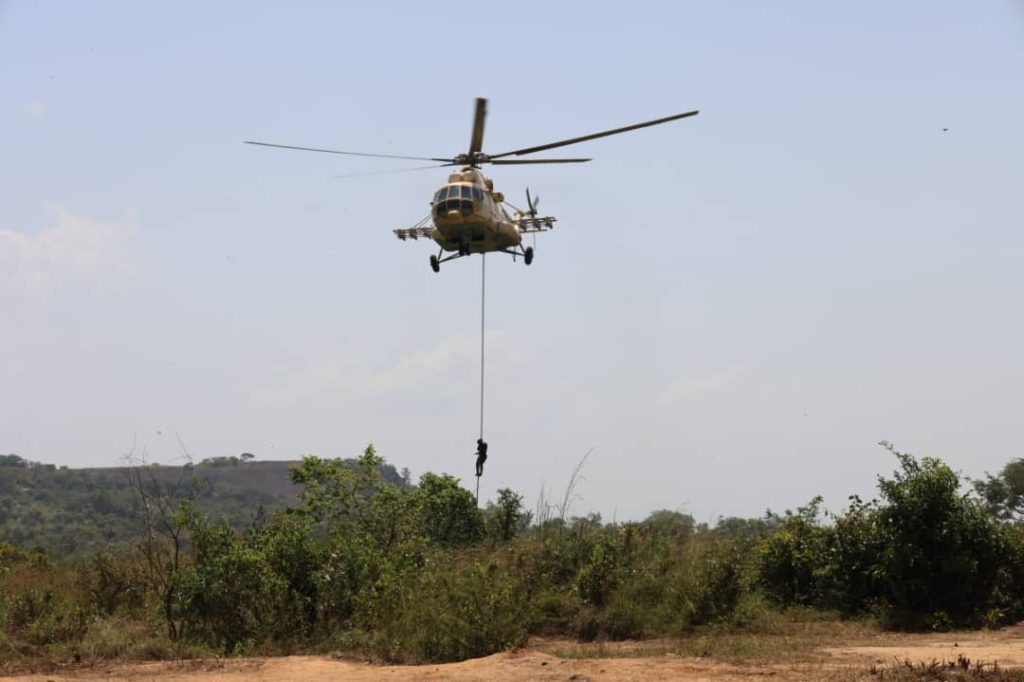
(1004,646)
(513,666)
(828,663)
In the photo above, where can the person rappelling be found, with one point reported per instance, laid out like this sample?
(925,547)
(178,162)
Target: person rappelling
(481,456)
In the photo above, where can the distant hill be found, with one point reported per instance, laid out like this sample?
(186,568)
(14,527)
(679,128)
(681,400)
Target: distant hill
(67,512)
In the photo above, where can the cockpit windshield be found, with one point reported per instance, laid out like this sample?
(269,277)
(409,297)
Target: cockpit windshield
(459,198)
(459,192)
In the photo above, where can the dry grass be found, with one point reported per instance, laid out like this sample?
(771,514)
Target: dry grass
(104,643)
(797,646)
(962,669)
(792,638)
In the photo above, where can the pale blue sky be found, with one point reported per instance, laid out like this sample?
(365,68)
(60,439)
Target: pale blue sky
(732,310)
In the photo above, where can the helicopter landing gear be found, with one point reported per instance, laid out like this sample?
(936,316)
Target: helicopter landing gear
(525,252)
(435,261)
(519,250)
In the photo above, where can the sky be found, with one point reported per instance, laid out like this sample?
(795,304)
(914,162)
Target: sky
(732,310)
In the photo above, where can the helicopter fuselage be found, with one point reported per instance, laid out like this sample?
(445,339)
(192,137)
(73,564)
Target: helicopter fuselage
(468,216)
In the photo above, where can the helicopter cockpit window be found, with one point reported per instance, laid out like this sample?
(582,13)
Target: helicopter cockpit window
(456,198)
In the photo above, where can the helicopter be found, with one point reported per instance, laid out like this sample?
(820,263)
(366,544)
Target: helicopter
(468,215)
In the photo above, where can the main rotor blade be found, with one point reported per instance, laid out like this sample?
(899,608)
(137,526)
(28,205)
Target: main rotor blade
(511,162)
(393,170)
(476,142)
(562,143)
(335,151)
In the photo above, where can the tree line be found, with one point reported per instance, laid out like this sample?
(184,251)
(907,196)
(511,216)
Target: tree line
(414,573)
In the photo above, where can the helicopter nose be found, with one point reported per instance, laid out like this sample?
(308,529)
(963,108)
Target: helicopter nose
(454,217)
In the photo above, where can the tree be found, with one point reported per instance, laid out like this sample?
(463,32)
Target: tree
(941,550)
(1004,494)
(448,513)
(506,518)
(671,525)
(336,492)
(166,513)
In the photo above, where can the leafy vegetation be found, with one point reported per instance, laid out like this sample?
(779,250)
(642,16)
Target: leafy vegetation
(360,561)
(925,555)
(1004,494)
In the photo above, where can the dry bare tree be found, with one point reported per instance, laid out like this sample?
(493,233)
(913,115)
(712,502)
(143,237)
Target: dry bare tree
(165,513)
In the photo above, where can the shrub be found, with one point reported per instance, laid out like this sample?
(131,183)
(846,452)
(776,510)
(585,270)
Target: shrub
(230,595)
(671,525)
(448,512)
(447,616)
(291,552)
(506,518)
(941,551)
(112,584)
(925,555)
(791,559)
(600,575)
(719,575)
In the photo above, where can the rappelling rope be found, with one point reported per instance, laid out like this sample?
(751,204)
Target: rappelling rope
(483,291)
(483,299)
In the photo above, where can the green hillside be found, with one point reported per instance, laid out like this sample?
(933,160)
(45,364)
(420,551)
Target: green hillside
(67,512)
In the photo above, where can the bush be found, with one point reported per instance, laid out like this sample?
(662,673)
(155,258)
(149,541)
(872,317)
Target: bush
(295,557)
(506,518)
(941,551)
(450,617)
(720,575)
(925,555)
(448,512)
(791,559)
(850,580)
(670,525)
(600,575)
(112,584)
(230,595)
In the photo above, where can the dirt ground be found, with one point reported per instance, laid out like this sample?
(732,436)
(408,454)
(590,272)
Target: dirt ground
(623,661)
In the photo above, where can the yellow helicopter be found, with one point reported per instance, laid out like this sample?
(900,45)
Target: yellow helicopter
(468,215)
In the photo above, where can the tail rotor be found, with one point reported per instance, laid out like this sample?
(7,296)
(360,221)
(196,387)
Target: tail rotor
(531,211)
(532,203)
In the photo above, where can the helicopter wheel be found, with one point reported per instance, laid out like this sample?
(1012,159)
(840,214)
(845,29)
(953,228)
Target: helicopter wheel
(528,255)
(435,264)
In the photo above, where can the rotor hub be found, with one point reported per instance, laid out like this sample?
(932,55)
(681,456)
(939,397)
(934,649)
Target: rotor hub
(473,159)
